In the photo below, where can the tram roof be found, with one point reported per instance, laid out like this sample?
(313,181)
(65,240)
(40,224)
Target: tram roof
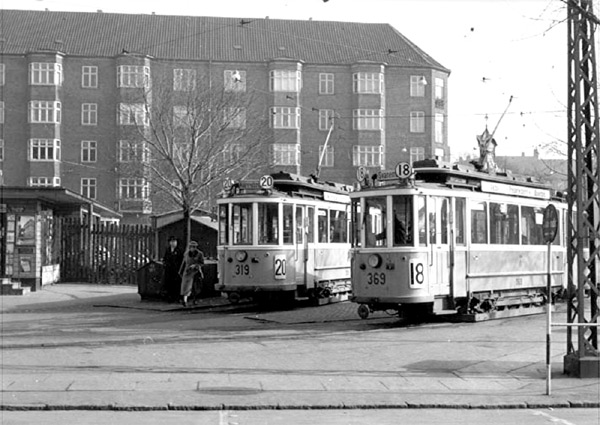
(443,174)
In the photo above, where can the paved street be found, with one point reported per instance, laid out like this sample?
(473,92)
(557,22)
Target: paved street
(93,347)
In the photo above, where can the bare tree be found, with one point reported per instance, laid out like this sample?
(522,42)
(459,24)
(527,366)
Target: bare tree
(195,134)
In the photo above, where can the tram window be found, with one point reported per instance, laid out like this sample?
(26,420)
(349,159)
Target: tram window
(310,224)
(422,212)
(268,223)
(288,224)
(356,220)
(299,225)
(504,224)
(531,226)
(322,225)
(338,226)
(375,216)
(223,225)
(403,221)
(479,222)
(242,224)
(459,206)
(444,219)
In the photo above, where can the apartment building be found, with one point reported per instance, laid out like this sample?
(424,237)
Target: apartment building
(66,80)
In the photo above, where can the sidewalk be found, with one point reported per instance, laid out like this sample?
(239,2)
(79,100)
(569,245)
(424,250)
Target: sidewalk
(484,365)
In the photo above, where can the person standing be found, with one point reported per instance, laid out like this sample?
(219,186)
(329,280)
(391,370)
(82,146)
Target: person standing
(172,263)
(191,269)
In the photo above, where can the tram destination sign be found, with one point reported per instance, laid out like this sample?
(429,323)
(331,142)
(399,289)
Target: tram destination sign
(509,189)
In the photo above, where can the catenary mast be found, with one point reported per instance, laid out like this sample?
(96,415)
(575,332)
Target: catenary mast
(583,193)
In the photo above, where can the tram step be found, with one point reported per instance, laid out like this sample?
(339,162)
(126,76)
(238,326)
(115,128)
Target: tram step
(510,312)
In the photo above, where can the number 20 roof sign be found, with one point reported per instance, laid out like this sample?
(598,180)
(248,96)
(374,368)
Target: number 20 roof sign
(508,189)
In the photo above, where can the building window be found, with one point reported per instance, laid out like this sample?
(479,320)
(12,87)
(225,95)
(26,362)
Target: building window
(45,74)
(133,114)
(366,119)
(88,188)
(439,89)
(1,154)
(234,118)
(1,112)
(439,128)
(184,79)
(327,157)
(43,181)
(42,111)
(133,151)
(89,114)
(367,82)
(234,80)
(417,85)
(89,77)
(181,116)
(369,156)
(281,80)
(231,154)
(89,150)
(417,154)
(284,117)
(133,188)
(2,78)
(325,119)
(326,83)
(44,150)
(286,154)
(417,122)
(133,76)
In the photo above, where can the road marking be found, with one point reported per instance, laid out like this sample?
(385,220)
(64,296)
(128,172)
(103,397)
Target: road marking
(553,419)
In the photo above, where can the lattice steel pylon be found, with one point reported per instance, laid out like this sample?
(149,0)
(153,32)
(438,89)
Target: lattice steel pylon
(583,193)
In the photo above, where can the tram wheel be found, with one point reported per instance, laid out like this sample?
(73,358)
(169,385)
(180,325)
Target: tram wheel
(234,297)
(363,311)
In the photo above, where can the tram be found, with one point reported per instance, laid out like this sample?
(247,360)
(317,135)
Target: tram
(284,237)
(437,237)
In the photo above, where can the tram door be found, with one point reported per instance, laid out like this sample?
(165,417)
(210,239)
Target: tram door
(308,277)
(438,209)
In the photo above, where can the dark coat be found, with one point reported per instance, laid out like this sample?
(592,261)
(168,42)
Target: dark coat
(171,280)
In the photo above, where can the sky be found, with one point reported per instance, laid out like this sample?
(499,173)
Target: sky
(495,50)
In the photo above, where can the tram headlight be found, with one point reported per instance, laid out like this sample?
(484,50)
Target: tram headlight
(241,256)
(374,260)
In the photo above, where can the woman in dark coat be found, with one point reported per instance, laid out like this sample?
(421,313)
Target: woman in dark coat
(172,262)
(191,268)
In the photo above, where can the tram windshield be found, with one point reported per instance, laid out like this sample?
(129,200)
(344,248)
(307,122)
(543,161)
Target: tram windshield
(242,224)
(375,221)
(268,223)
(402,220)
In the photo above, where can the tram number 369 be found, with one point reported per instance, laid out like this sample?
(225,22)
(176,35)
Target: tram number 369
(279,267)
(375,278)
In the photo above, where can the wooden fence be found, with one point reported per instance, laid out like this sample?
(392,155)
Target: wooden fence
(103,253)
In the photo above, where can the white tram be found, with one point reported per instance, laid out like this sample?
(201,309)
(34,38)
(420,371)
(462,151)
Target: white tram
(285,237)
(447,237)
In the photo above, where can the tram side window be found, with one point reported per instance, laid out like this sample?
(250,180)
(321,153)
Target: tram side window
(479,222)
(531,226)
(422,212)
(338,225)
(403,221)
(310,223)
(268,223)
(223,224)
(288,224)
(375,216)
(504,223)
(322,225)
(242,224)
(459,206)
(299,225)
